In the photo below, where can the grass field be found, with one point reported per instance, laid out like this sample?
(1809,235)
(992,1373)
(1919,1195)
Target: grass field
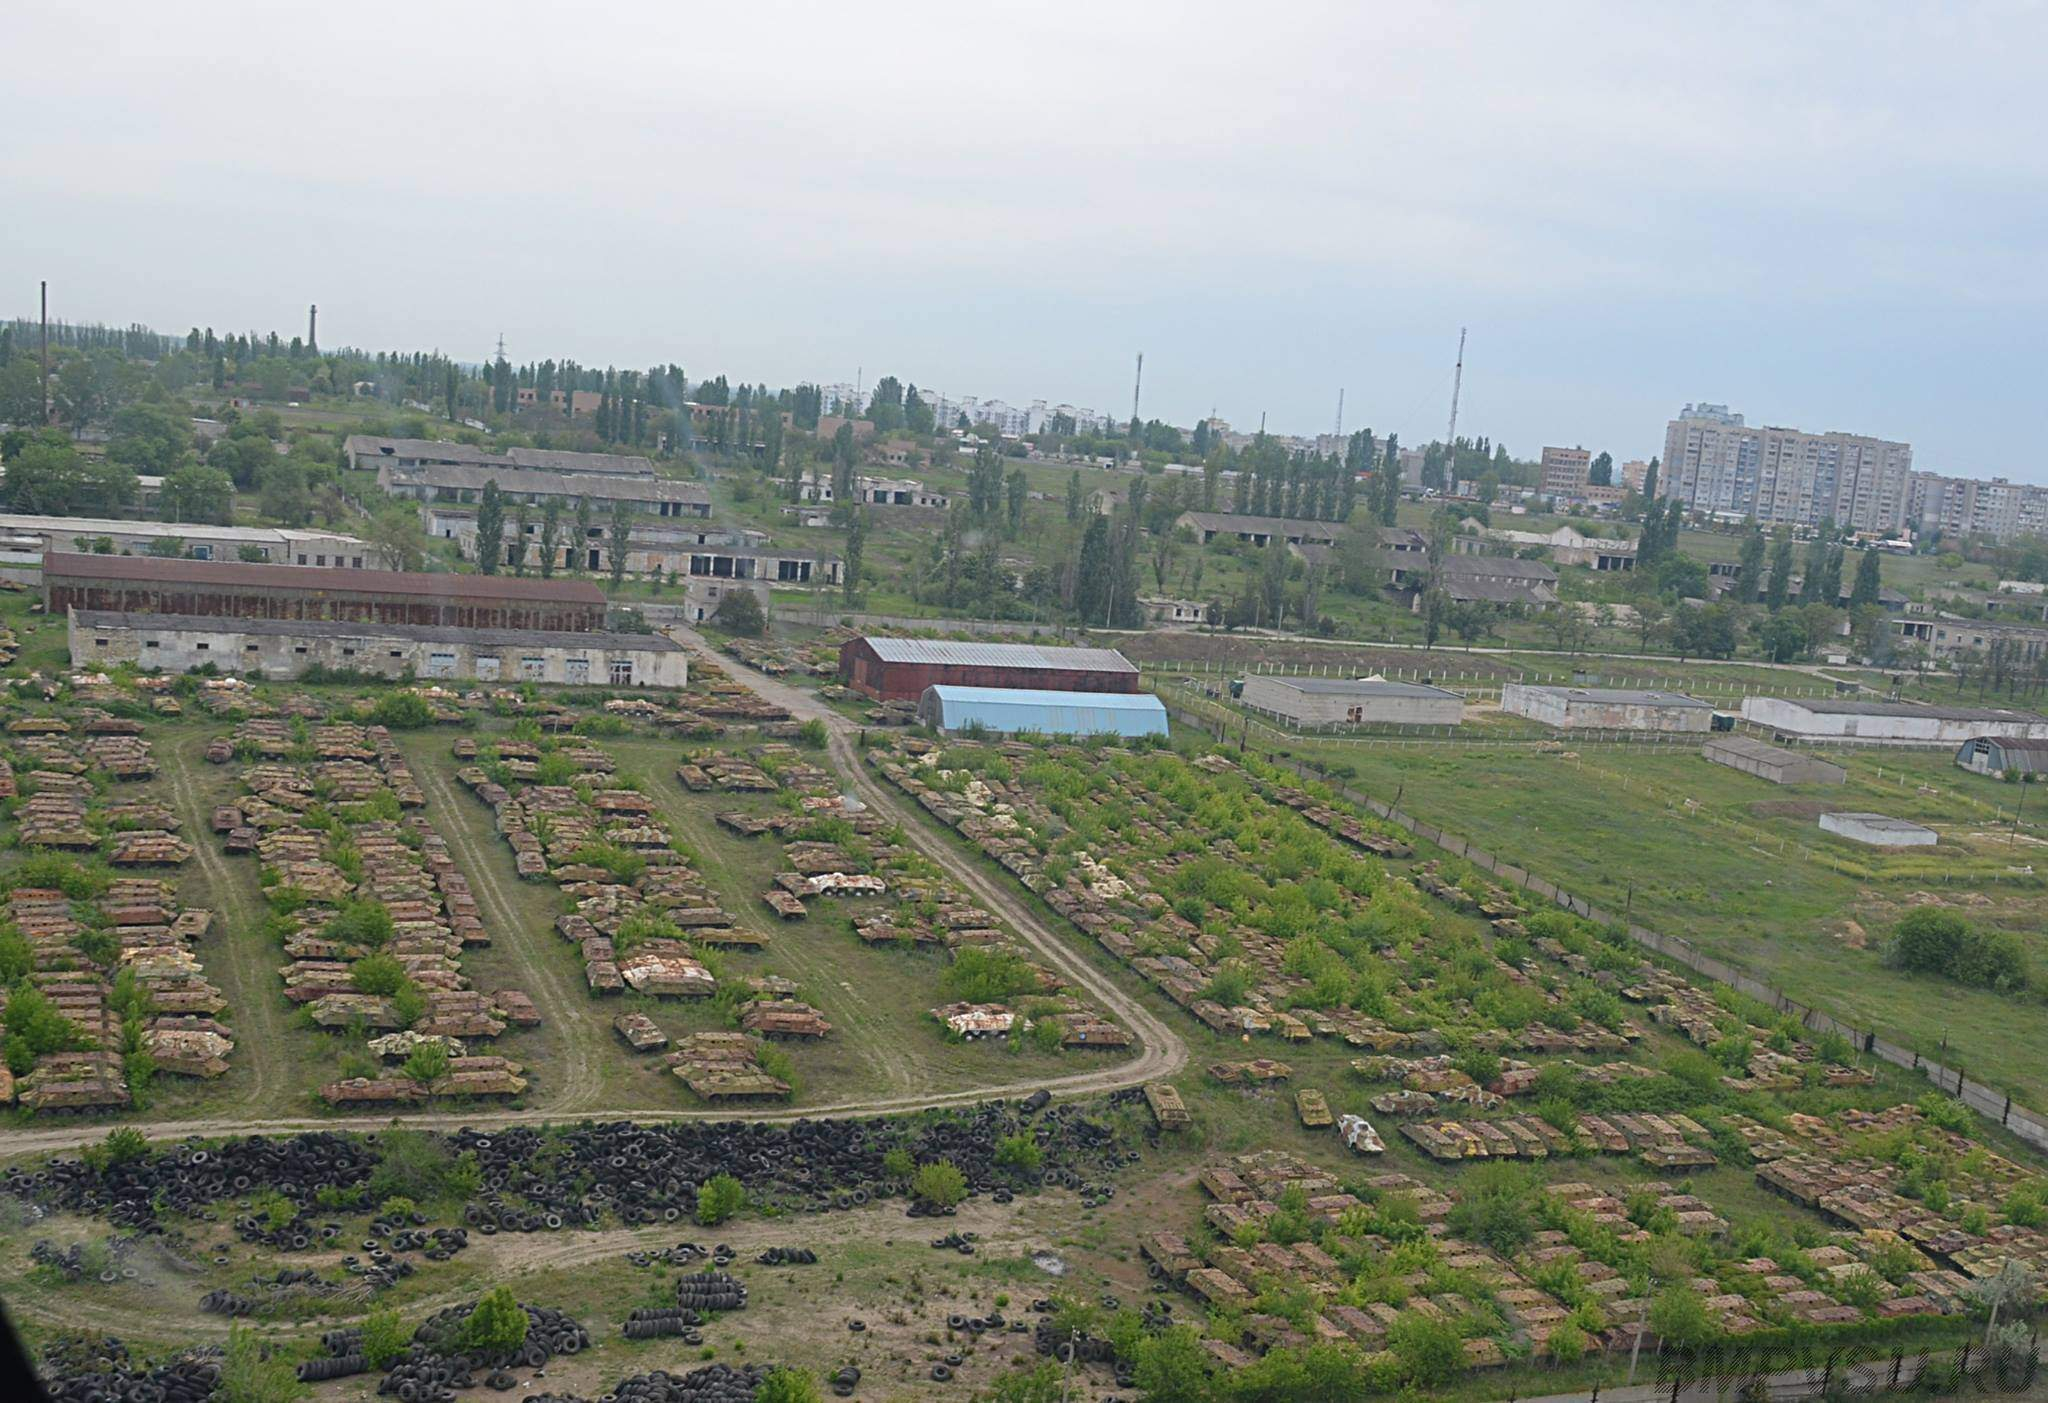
(1740,867)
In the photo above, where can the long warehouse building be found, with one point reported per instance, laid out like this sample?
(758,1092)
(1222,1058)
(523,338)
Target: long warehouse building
(289,647)
(1890,723)
(899,669)
(125,584)
(1018,710)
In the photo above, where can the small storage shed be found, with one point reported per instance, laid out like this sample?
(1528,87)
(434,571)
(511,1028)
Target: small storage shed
(1772,762)
(2002,755)
(1348,701)
(1008,710)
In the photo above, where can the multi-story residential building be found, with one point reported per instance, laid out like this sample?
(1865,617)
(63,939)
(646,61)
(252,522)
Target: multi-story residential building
(1969,506)
(1715,463)
(1565,471)
(1634,473)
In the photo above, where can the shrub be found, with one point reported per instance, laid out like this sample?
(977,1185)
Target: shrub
(1567,1343)
(1019,1152)
(427,1063)
(898,1164)
(402,711)
(366,923)
(981,975)
(812,734)
(1430,1351)
(34,1027)
(939,1184)
(251,1373)
(123,1145)
(385,1337)
(378,974)
(1498,1209)
(787,1385)
(497,1326)
(1932,941)
(718,1198)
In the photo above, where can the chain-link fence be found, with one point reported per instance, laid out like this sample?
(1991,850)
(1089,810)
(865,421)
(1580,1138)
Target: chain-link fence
(1743,1373)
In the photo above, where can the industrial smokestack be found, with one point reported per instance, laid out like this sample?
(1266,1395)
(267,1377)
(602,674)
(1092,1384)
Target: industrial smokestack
(45,381)
(313,326)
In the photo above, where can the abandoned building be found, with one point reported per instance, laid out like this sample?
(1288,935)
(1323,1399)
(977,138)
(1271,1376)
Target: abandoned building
(899,669)
(464,484)
(1997,755)
(140,584)
(288,647)
(1315,702)
(1772,762)
(370,453)
(1606,708)
(695,549)
(1890,723)
(196,540)
(1259,530)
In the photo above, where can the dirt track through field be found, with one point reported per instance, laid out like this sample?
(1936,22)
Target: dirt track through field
(1162,1052)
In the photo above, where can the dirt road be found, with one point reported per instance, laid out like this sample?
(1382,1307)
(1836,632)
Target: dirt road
(1162,1052)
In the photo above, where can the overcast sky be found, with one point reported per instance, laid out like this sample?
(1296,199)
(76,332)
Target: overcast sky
(1825,215)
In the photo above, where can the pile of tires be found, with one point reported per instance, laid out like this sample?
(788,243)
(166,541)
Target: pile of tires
(788,1257)
(714,1383)
(102,1371)
(313,1371)
(661,1322)
(961,1242)
(71,1262)
(707,1291)
(192,1175)
(680,1255)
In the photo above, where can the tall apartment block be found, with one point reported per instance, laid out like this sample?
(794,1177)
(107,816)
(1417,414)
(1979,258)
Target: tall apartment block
(1969,506)
(1565,471)
(1713,462)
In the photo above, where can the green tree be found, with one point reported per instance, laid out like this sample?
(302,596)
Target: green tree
(939,1184)
(1780,587)
(1429,1349)
(497,1325)
(520,524)
(1074,495)
(1749,574)
(379,974)
(740,612)
(199,494)
(856,552)
(1864,591)
(1171,1367)
(550,536)
(148,437)
(427,1063)
(618,542)
(1019,1152)
(585,524)
(1680,1318)
(718,1198)
(385,1338)
(1601,473)
(490,529)
(1018,492)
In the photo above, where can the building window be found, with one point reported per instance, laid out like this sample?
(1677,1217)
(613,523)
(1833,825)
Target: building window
(622,672)
(533,669)
(348,652)
(396,653)
(149,643)
(99,643)
(578,669)
(319,560)
(299,649)
(440,664)
(203,647)
(358,562)
(487,667)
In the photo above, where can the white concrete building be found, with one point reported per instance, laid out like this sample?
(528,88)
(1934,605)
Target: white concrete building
(269,545)
(288,647)
(1890,723)
(1606,708)
(1878,830)
(1344,701)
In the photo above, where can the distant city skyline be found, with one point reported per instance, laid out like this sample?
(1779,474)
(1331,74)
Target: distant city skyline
(1839,227)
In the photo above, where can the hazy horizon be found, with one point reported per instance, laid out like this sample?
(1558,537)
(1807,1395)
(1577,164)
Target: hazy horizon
(1830,218)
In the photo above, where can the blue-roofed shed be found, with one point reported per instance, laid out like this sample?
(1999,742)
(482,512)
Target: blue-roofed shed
(1008,710)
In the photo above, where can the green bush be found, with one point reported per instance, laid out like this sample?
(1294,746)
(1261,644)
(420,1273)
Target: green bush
(1932,941)
(787,1385)
(939,1184)
(402,711)
(497,1326)
(365,923)
(981,975)
(718,1198)
(898,1164)
(251,1372)
(378,974)
(1019,1152)
(385,1337)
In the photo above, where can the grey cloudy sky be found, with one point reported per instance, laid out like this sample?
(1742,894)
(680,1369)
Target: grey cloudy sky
(1829,215)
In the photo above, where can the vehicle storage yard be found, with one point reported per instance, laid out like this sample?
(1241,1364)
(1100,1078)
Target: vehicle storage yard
(637,1005)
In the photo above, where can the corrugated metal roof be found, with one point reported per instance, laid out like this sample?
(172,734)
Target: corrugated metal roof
(975,654)
(1830,706)
(1361,687)
(1011,709)
(225,574)
(1622,696)
(422,633)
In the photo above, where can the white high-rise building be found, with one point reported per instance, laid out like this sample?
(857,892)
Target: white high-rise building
(1713,462)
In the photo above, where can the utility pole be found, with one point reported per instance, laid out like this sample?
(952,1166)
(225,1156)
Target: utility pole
(1451,438)
(45,381)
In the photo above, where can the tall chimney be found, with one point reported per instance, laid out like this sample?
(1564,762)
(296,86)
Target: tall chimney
(313,327)
(45,382)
